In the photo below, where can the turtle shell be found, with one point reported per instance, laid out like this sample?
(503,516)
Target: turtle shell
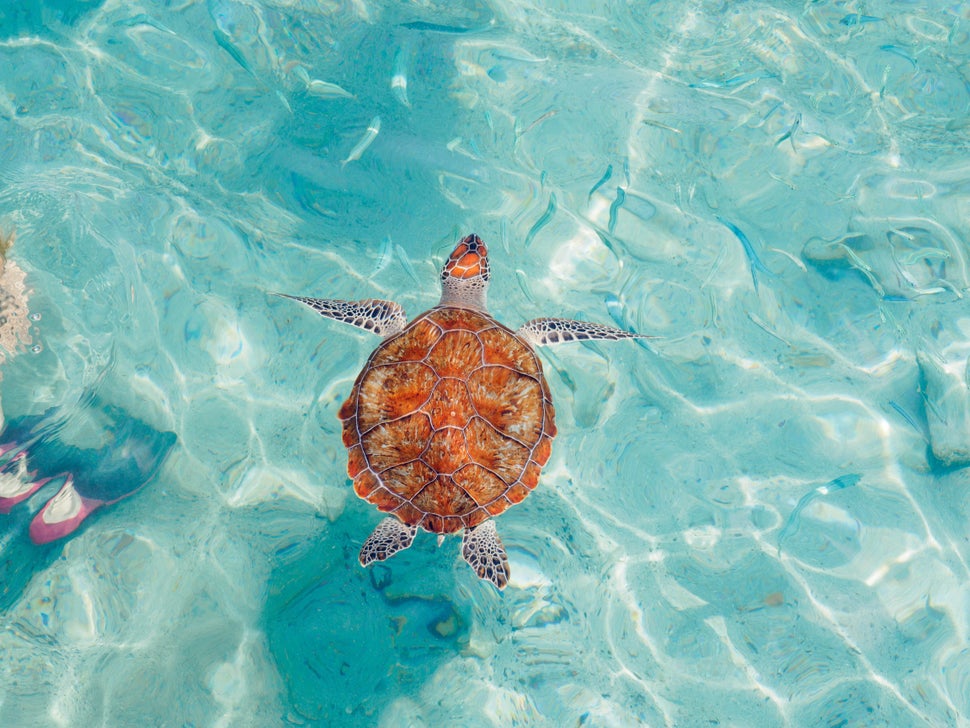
(450,421)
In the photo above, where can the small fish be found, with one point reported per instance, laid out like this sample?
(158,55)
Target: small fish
(744,78)
(650,122)
(504,235)
(438,28)
(790,134)
(325,90)
(858,19)
(406,262)
(615,208)
(888,48)
(785,182)
(840,483)
(753,259)
(387,253)
(714,268)
(768,115)
(488,120)
(399,78)
(534,124)
(225,42)
(365,141)
(525,284)
(473,147)
(790,257)
(602,181)
(922,255)
(767,329)
(543,220)
(864,268)
(519,56)
(905,415)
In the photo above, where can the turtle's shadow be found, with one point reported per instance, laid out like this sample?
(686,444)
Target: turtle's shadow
(347,640)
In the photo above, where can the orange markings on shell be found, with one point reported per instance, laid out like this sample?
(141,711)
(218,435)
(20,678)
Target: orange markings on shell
(450,319)
(349,408)
(350,435)
(480,484)
(443,496)
(476,517)
(549,428)
(450,524)
(489,448)
(365,484)
(517,493)
(456,354)
(355,461)
(543,450)
(501,347)
(406,480)
(390,391)
(409,514)
(396,443)
(449,405)
(433,523)
(384,499)
(413,344)
(450,421)
(511,402)
(498,506)
(446,451)
(530,478)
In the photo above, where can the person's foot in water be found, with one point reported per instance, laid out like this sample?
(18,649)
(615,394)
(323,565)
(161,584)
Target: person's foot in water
(37,454)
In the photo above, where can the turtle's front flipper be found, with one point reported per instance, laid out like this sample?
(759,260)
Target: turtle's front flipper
(483,550)
(383,318)
(542,331)
(388,538)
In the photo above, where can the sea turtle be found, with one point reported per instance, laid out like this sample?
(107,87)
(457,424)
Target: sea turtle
(451,419)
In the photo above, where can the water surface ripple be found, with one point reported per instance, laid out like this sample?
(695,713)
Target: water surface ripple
(757,519)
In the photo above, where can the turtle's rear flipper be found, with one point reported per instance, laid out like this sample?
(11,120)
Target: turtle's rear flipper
(388,538)
(483,550)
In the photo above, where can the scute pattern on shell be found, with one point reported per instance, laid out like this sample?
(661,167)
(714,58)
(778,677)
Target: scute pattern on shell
(449,422)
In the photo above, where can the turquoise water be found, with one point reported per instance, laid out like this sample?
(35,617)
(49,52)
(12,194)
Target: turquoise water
(757,519)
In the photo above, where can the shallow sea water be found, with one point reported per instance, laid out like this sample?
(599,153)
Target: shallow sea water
(758,518)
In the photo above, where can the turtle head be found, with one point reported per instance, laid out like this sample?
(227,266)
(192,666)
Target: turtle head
(464,278)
